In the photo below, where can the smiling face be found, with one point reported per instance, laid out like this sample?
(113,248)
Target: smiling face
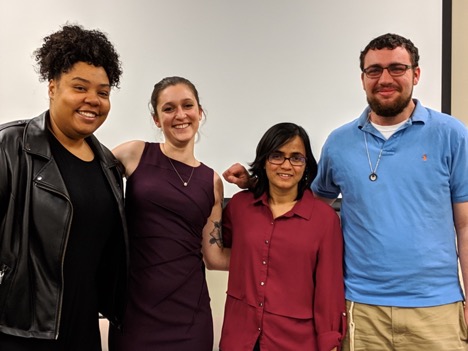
(390,98)
(79,102)
(178,114)
(285,177)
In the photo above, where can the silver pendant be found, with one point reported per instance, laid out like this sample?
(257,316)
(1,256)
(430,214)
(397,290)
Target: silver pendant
(373,177)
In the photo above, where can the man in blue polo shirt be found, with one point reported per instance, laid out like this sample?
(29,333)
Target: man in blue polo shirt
(402,171)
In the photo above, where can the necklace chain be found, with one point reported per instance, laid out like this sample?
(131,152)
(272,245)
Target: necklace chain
(185,183)
(373,175)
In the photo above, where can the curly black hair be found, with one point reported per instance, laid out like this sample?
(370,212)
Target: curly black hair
(72,44)
(391,41)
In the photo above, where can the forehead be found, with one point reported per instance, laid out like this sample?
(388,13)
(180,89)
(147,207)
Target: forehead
(84,72)
(294,145)
(385,57)
(175,93)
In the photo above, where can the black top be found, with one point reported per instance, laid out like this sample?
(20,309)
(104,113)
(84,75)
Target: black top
(94,207)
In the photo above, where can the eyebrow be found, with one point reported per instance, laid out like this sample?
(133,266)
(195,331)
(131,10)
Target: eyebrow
(294,153)
(88,82)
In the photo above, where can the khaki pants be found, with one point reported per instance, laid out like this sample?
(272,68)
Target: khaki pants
(381,328)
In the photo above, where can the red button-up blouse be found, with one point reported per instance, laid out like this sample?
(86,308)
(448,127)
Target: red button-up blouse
(285,278)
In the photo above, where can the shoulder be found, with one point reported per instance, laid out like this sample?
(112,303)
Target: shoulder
(13,128)
(129,150)
(343,134)
(436,119)
(242,197)
(129,154)
(446,128)
(317,205)
(13,125)
(22,129)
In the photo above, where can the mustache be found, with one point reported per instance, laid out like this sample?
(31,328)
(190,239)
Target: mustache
(380,87)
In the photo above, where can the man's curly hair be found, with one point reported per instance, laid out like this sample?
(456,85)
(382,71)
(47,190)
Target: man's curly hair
(72,44)
(391,41)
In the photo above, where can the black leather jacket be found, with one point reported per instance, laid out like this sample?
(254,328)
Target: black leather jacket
(35,219)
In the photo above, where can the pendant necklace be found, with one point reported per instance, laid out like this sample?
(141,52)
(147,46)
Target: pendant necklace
(185,183)
(373,175)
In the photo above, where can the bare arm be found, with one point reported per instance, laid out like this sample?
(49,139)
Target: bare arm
(460,215)
(215,255)
(129,155)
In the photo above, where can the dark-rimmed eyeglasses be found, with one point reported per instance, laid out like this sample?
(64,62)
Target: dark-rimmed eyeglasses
(395,70)
(279,159)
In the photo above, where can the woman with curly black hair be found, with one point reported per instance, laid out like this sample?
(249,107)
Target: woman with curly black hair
(63,255)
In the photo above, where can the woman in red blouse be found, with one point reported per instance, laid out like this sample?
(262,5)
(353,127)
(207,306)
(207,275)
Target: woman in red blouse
(285,288)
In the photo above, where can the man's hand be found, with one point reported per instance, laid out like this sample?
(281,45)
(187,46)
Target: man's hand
(237,174)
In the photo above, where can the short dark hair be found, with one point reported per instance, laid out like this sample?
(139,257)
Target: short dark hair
(272,140)
(391,41)
(167,82)
(72,44)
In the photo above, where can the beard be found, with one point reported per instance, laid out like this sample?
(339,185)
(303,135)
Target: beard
(389,110)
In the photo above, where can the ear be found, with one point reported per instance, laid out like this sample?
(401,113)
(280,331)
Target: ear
(200,112)
(362,81)
(417,74)
(52,88)
(156,121)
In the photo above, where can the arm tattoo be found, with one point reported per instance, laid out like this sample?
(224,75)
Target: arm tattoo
(216,237)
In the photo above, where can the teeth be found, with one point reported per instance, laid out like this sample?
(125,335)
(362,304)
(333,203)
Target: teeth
(181,126)
(87,114)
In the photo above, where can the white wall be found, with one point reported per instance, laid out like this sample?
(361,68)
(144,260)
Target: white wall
(255,63)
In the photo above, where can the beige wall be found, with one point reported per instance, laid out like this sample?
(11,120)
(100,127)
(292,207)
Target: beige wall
(460,60)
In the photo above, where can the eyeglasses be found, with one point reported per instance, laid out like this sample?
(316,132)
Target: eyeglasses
(395,70)
(295,160)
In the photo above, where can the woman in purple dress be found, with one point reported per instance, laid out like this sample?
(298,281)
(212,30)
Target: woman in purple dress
(174,206)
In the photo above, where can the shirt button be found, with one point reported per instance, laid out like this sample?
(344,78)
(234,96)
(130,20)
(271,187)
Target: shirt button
(263,262)
(266,242)
(259,329)
(39,178)
(260,304)
(262,283)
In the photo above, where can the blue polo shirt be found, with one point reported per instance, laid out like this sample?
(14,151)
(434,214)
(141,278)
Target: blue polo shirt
(400,246)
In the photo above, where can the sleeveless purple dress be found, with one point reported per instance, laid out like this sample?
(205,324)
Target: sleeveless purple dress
(169,305)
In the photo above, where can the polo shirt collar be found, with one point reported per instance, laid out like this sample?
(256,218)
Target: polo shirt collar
(419,115)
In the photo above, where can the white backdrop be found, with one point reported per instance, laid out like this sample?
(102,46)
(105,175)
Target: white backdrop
(255,62)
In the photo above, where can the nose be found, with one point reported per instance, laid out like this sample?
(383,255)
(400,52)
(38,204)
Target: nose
(287,163)
(92,99)
(180,113)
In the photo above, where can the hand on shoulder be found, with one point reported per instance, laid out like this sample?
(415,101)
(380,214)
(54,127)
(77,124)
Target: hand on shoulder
(237,174)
